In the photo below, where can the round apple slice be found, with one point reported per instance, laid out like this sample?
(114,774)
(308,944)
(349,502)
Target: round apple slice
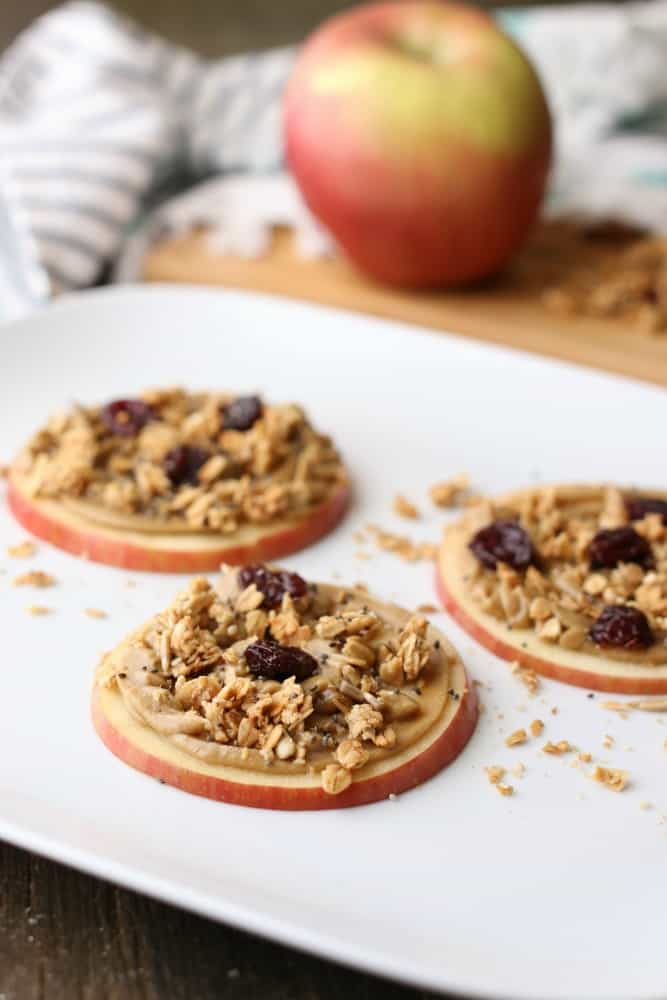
(179,481)
(638,670)
(146,728)
(93,534)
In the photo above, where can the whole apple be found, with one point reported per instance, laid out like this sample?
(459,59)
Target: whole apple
(420,136)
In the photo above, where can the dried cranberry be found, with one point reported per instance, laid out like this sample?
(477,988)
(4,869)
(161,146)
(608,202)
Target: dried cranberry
(126,416)
(275,662)
(503,541)
(639,507)
(241,413)
(183,462)
(612,546)
(273,584)
(621,627)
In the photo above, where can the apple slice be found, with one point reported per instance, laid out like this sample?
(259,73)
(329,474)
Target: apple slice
(161,748)
(71,528)
(593,670)
(145,751)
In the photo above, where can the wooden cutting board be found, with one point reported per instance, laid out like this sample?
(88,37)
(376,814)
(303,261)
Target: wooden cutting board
(508,310)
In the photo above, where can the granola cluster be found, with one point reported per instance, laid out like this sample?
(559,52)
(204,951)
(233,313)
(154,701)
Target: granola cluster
(208,461)
(563,590)
(630,286)
(218,667)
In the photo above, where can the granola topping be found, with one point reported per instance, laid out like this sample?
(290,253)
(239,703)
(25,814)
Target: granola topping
(186,461)
(326,681)
(597,583)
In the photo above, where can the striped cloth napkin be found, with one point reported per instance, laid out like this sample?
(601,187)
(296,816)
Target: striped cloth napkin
(100,120)
(96,116)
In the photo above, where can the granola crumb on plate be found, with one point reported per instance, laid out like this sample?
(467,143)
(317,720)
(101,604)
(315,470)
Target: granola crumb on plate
(516,738)
(23,550)
(449,493)
(526,675)
(402,546)
(612,777)
(557,749)
(404,508)
(34,578)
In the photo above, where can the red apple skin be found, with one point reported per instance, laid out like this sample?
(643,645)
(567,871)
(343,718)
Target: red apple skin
(112,551)
(557,671)
(426,174)
(414,772)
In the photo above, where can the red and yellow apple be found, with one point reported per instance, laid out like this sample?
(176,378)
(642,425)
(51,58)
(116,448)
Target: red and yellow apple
(70,529)
(419,135)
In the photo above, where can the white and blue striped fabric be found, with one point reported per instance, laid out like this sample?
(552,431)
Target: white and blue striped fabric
(98,117)
(95,115)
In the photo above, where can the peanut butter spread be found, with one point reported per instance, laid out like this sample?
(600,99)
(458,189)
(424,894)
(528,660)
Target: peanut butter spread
(175,461)
(585,568)
(263,670)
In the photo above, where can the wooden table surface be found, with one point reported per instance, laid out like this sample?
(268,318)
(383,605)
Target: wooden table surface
(507,310)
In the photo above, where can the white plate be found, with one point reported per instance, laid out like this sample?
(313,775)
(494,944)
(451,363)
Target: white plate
(557,892)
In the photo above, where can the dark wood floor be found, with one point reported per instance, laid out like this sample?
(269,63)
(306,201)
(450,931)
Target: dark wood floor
(214,27)
(64,936)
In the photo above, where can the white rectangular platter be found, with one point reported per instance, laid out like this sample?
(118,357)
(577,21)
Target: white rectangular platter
(556,892)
